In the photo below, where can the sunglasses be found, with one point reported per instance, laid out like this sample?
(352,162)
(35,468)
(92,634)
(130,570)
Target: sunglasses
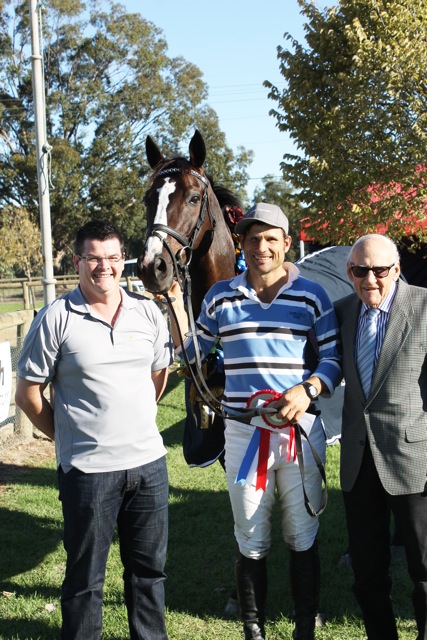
(362,272)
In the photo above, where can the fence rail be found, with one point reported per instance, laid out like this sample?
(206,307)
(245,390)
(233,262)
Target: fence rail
(30,292)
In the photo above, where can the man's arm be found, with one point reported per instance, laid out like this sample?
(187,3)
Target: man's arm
(160,379)
(30,398)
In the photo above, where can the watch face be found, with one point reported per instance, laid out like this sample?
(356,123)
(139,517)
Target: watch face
(311,390)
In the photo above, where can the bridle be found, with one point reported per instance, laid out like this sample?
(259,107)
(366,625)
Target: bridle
(182,274)
(157,229)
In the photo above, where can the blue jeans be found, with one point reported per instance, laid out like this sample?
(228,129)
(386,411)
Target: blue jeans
(92,504)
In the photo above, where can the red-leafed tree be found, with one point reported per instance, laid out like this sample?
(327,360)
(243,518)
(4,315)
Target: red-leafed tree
(355,103)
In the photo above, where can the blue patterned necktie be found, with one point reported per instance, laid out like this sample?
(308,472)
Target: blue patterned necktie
(366,354)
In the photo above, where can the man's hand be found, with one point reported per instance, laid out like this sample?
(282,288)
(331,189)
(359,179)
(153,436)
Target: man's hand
(174,293)
(295,401)
(177,301)
(293,404)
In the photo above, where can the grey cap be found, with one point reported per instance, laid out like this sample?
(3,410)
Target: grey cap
(269,214)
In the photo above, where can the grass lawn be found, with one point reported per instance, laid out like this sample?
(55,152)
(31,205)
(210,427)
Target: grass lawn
(8,307)
(200,556)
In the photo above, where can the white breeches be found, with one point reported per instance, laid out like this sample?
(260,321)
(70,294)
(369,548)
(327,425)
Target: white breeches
(252,509)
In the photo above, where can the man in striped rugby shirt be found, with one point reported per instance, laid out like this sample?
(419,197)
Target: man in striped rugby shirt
(279,335)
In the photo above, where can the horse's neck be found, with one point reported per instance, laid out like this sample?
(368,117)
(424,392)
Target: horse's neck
(215,265)
(214,259)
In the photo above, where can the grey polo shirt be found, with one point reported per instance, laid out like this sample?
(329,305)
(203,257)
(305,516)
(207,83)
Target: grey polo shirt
(104,399)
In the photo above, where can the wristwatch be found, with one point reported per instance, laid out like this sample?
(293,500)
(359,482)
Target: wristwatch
(310,390)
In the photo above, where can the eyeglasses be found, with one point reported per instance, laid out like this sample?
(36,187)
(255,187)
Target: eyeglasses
(361,272)
(94,260)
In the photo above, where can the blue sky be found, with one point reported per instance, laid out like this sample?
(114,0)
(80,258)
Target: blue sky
(234,44)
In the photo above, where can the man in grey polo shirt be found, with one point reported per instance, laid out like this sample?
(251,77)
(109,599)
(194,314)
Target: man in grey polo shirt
(106,353)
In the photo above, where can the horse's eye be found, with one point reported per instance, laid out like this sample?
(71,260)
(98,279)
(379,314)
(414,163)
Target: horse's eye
(195,199)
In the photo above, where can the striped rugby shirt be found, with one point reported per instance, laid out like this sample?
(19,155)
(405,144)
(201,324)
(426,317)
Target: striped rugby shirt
(265,344)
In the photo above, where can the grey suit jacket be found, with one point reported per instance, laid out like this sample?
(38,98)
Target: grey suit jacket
(394,416)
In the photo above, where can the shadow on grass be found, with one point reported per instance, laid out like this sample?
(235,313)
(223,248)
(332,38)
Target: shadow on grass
(27,539)
(29,629)
(202,552)
(27,474)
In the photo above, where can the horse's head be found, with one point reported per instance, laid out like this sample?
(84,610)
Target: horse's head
(180,214)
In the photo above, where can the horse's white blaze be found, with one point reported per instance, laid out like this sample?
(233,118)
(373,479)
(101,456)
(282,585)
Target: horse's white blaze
(153,246)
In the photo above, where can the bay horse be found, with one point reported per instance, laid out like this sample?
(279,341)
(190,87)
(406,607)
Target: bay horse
(186,226)
(188,231)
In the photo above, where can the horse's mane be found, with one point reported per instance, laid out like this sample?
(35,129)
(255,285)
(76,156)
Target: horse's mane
(224,196)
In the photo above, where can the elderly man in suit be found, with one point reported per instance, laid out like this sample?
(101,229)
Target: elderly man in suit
(384,433)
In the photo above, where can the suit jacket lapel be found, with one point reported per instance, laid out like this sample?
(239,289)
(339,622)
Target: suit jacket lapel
(397,330)
(348,336)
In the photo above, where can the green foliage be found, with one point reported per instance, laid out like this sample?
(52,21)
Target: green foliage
(108,84)
(20,240)
(200,564)
(355,103)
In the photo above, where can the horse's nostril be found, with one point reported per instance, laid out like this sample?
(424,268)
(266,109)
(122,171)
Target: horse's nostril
(160,266)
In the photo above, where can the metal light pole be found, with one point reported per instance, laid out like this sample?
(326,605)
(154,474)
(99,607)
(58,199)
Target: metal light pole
(42,150)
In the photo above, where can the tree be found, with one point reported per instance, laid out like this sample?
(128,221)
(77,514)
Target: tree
(20,240)
(355,103)
(108,83)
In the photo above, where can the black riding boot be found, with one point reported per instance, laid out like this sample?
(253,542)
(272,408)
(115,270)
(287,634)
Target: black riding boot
(251,582)
(305,586)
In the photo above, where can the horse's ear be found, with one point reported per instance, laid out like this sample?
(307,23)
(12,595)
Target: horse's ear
(197,149)
(152,152)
